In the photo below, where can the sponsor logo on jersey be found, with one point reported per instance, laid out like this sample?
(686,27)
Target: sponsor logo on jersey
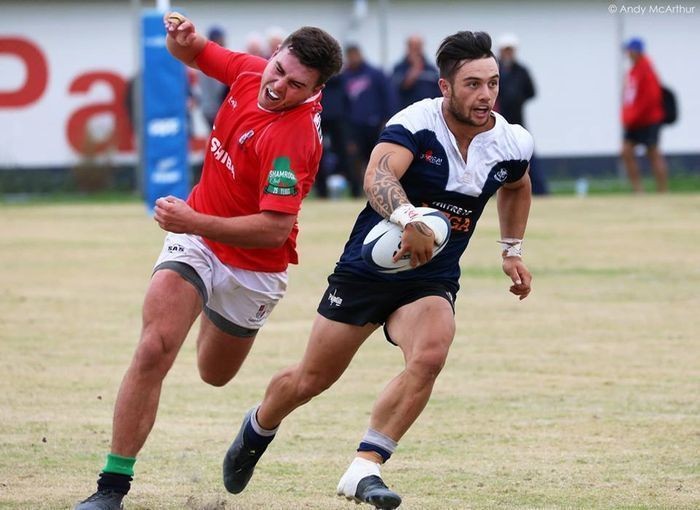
(501,175)
(460,218)
(221,155)
(335,300)
(281,180)
(433,160)
(232,102)
(245,137)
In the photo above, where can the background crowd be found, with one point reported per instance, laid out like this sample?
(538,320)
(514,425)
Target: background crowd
(359,101)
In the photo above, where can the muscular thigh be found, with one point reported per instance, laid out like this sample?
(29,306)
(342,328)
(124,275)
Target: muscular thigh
(426,323)
(332,341)
(220,354)
(171,304)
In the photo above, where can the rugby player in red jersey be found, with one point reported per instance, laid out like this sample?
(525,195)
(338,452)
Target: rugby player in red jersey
(229,244)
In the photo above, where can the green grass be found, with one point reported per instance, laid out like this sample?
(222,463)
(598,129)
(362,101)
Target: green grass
(677,184)
(69,198)
(582,396)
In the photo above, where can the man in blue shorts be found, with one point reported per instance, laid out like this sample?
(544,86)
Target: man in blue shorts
(452,154)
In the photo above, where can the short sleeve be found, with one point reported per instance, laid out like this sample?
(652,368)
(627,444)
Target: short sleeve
(225,65)
(289,160)
(526,144)
(398,134)
(402,128)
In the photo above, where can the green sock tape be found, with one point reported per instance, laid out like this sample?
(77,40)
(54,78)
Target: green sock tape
(119,465)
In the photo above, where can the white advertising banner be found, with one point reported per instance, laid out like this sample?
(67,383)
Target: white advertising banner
(64,78)
(64,65)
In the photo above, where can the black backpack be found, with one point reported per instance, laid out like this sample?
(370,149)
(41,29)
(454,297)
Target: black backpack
(668,99)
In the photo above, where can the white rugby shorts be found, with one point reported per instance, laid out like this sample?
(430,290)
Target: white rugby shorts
(236,300)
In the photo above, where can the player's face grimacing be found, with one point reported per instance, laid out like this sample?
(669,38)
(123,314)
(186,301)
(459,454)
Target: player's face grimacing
(286,82)
(472,92)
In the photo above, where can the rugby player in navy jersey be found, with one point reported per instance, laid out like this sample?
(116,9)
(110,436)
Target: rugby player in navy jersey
(452,154)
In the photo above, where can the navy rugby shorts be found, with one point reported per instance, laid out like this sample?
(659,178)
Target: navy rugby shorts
(647,135)
(353,300)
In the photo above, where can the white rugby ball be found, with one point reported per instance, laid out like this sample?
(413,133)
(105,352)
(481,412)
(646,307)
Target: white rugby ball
(384,239)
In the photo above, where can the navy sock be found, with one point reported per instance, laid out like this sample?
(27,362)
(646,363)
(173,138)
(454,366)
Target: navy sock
(114,482)
(369,447)
(381,444)
(254,440)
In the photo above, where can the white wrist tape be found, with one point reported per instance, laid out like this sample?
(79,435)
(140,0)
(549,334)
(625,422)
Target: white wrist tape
(511,247)
(404,214)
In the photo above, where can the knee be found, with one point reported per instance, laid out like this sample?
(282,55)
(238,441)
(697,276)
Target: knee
(154,352)
(427,364)
(213,378)
(310,384)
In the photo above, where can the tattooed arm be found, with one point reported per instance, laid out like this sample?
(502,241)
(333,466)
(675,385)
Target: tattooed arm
(387,164)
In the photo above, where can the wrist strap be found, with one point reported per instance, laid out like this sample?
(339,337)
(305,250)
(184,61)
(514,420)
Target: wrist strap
(404,214)
(511,247)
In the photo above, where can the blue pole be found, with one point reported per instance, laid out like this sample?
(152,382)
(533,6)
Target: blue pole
(164,95)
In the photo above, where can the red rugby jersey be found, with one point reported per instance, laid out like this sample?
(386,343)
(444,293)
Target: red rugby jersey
(255,160)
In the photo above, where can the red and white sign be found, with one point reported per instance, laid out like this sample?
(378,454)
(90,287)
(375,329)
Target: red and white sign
(63,89)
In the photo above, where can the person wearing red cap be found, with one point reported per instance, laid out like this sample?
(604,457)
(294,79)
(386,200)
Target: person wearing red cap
(642,116)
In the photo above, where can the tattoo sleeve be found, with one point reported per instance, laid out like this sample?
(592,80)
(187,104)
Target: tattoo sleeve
(385,193)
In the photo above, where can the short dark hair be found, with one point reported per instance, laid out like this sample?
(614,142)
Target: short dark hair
(459,47)
(317,49)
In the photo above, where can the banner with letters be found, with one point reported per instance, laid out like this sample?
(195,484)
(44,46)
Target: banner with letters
(164,95)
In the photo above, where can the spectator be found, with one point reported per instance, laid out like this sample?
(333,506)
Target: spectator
(255,45)
(371,104)
(212,91)
(515,89)
(334,126)
(274,36)
(642,116)
(414,78)
(516,86)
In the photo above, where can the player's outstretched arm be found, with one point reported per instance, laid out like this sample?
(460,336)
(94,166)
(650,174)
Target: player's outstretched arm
(513,209)
(182,40)
(387,164)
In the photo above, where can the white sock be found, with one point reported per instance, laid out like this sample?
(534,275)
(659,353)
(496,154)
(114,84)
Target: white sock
(258,429)
(359,468)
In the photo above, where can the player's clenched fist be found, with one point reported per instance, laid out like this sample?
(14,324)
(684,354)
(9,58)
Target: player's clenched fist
(174,215)
(179,28)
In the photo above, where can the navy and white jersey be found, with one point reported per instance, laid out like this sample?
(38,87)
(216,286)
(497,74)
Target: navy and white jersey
(439,177)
